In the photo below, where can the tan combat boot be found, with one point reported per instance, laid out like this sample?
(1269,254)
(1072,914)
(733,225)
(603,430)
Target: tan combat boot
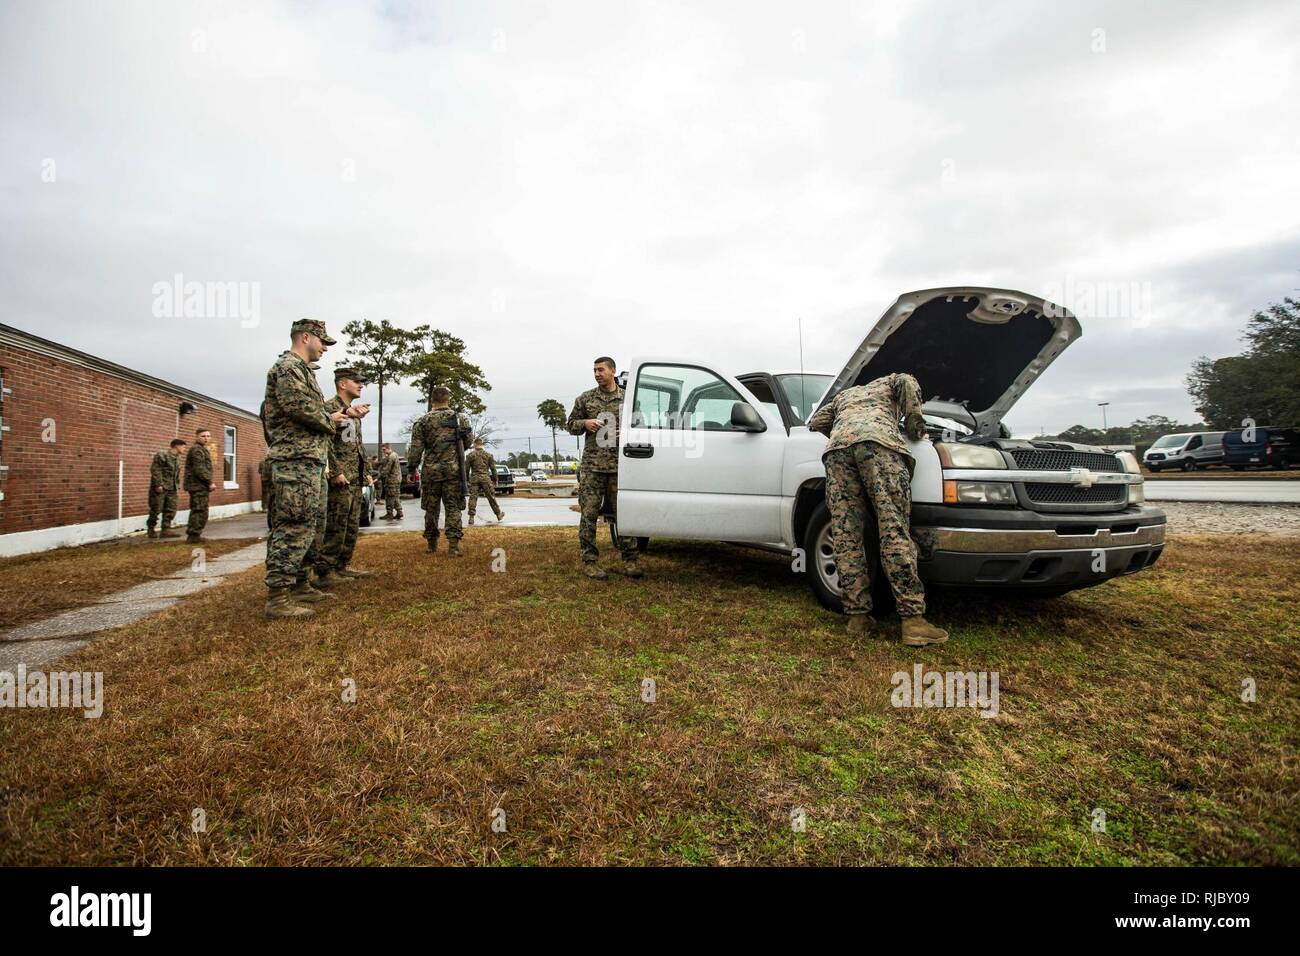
(329,579)
(593,570)
(501,516)
(471,520)
(304,593)
(153,533)
(859,625)
(632,569)
(169,533)
(353,573)
(453,549)
(918,632)
(279,604)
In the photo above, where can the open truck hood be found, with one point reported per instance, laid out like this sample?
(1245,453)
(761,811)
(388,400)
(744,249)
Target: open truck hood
(970,348)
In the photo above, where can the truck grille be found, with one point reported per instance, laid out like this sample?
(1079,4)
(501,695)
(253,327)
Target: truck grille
(1041,459)
(1046,493)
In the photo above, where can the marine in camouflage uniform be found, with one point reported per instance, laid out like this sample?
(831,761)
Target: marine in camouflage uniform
(299,431)
(348,468)
(198,485)
(482,470)
(869,468)
(164,488)
(433,450)
(598,468)
(390,477)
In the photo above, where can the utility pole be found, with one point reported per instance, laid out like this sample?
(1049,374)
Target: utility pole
(1102,406)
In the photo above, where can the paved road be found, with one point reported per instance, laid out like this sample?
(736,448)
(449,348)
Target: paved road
(1243,491)
(520,513)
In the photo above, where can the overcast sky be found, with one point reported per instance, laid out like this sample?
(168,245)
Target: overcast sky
(552,181)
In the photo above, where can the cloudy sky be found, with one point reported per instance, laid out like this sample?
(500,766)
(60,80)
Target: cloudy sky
(552,181)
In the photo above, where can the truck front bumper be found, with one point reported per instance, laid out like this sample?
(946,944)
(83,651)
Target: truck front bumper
(1013,548)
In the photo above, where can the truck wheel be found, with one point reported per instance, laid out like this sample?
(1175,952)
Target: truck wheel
(1189,465)
(820,568)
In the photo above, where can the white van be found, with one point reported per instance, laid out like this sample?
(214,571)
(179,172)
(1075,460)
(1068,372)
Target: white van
(1186,450)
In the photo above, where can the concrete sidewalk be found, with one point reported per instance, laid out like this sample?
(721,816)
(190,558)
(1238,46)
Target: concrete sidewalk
(41,642)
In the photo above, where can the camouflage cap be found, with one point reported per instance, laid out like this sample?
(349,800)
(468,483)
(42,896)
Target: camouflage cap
(349,371)
(315,326)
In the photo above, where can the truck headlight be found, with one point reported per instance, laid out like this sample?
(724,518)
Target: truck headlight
(1136,494)
(978,493)
(1128,462)
(957,455)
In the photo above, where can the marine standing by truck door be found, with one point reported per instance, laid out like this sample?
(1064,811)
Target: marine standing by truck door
(164,484)
(198,484)
(869,468)
(596,413)
(299,430)
(436,440)
(348,470)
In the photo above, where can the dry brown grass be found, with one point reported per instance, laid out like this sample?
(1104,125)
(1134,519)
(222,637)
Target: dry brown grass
(523,690)
(35,586)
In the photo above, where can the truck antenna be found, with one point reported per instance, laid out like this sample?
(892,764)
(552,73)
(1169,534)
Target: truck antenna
(802,405)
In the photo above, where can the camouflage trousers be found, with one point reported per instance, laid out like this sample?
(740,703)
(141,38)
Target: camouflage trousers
(867,477)
(483,486)
(444,492)
(297,521)
(342,522)
(392,498)
(161,503)
(595,488)
(198,513)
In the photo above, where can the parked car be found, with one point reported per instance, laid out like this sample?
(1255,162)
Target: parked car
(539,476)
(1186,450)
(711,456)
(504,483)
(367,505)
(519,473)
(1271,447)
(410,479)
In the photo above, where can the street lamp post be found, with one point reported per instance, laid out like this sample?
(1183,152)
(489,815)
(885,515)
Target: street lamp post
(1102,406)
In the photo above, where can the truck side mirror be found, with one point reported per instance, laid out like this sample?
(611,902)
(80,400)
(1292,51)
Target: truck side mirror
(745,419)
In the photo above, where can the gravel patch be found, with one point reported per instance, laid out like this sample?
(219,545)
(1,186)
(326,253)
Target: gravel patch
(1206,517)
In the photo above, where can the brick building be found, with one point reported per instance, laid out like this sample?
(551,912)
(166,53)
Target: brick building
(77,434)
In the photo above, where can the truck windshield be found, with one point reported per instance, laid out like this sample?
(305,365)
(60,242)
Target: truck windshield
(804,391)
(1169,441)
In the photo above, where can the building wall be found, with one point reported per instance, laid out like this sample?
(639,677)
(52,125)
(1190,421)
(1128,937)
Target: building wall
(70,426)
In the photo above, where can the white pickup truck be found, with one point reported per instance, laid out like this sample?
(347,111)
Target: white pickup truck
(708,455)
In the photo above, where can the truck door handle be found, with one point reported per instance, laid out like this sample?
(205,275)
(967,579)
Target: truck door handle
(638,451)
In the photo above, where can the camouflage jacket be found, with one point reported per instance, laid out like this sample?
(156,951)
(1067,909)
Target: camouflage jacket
(433,444)
(165,471)
(293,414)
(347,456)
(871,413)
(600,448)
(480,464)
(390,469)
(198,468)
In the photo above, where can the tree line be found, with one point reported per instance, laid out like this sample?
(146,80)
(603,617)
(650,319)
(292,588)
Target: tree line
(426,357)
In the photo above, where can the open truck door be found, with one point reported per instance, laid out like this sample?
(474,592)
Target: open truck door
(699,457)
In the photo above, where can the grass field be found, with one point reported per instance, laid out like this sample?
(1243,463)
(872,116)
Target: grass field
(523,691)
(35,586)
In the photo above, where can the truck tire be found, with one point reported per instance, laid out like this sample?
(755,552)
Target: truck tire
(1189,464)
(820,566)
